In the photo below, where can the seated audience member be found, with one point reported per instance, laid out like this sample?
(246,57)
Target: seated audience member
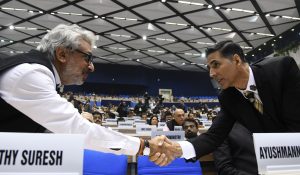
(97,117)
(167,116)
(89,117)
(177,120)
(182,106)
(190,127)
(144,116)
(153,120)
(236,155)
(193,116)
(122,109)
(139,108)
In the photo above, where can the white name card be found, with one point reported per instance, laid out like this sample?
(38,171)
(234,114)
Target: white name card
(172,135)
(178,128)
(111,121)
(277,153)
(144,128)
(127,124)
(161,124)
(139,121)
(28,153)
(136,117)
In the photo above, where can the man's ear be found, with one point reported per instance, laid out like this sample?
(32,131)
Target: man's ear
(60,54)
(237,59)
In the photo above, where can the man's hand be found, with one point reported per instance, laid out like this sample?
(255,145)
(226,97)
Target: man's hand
(163,151)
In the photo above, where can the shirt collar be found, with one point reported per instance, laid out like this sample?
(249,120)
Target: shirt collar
(251,82)
(57,78)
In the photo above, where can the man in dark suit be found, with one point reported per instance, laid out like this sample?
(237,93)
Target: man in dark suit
(236,155)
(275,85)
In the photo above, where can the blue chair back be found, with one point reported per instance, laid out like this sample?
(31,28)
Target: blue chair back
(99,163)
(178,167)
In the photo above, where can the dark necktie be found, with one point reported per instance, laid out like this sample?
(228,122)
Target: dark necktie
(256,103)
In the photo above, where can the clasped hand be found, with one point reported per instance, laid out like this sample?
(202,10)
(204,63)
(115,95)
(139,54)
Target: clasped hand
(163,151)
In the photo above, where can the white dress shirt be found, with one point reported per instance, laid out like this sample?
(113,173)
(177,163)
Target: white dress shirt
(187,148)
(31,89)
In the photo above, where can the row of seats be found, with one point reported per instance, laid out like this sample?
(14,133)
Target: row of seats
(98,163)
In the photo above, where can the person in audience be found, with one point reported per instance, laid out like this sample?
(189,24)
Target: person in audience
(153,120)
(191,115)
(177,120)
(236,155)
(139,108)
(97,116)
(122,109)
(263,97)
(166,116)
(190,128)
(144,116)
(63,57)
(182,106)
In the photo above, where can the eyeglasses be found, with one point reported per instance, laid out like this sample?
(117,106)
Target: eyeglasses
(87,56)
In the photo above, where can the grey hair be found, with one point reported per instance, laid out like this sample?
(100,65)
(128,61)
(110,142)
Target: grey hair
(67,36)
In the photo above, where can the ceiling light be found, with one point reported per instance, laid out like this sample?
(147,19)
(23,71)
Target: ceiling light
(253,55)
(280,37)
(161,62)
(265,43)
(267,15)
(137,60)
(11,27)
(144,37)
(95,16)
(292,30)
(217,7)
(229,9)
(259,49)
(30,11)
(265,34)
(209,6)
(41,12)
(203,55)
(183,64)
(163,0)
(287,17)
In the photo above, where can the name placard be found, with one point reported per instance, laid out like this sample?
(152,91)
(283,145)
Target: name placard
(139,121)
(161,124)
(127,124)
(136,117)
(28,153)
(111,121)
(144,128)
(172,135)
(277,153)
(178,128)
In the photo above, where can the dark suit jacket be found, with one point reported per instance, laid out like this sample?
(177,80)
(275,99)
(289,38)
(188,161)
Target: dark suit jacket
(236,155)
(278,83)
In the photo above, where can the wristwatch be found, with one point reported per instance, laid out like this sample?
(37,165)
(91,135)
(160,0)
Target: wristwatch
(146,142)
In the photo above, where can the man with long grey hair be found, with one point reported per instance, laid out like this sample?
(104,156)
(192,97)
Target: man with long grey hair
(30,103)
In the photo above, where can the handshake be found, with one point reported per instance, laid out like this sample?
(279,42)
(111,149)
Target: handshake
(162,150)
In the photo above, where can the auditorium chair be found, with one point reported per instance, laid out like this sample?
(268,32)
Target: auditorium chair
(178,167)
(99,163)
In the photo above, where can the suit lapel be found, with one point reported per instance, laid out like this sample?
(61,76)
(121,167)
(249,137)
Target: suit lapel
(263,92)
(242,109)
